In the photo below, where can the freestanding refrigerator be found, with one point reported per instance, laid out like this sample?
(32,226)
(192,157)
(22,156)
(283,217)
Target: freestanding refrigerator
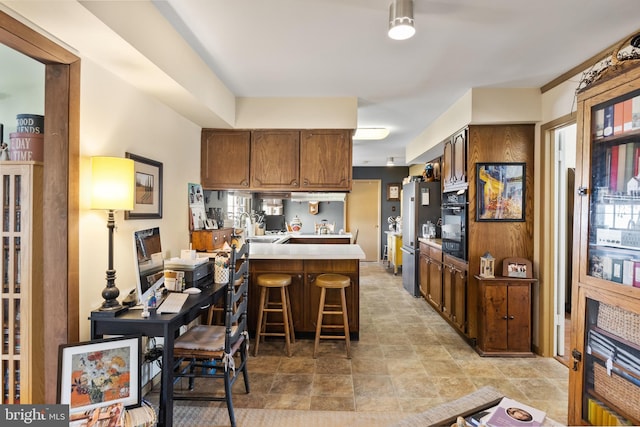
(420,203)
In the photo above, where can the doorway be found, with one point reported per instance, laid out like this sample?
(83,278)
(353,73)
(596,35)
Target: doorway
(362,214)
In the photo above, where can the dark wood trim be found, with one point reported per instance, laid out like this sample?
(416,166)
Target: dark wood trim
(61,191)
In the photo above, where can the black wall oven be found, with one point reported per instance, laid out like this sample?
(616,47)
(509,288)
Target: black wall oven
(455,209)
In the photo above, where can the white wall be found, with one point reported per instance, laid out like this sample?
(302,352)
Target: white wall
(116,118)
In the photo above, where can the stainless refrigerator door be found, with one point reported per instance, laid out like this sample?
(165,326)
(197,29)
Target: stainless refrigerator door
(409,271)
(409,215)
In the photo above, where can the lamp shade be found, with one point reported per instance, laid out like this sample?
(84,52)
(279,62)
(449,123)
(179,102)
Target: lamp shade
(401,20)
(112,183)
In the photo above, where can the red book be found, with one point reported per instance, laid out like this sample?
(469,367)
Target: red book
(636,273)
(613,178)
(617,118)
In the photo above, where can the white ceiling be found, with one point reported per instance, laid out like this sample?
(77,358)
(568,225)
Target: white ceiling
(339,48)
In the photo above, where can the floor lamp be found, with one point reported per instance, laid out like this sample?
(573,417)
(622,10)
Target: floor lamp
(112,188)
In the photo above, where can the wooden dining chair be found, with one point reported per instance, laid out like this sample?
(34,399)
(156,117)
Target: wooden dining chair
(218,351)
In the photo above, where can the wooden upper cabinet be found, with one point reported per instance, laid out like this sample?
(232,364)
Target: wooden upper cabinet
(459,142)
(275,159)
(224,159)
(325,160)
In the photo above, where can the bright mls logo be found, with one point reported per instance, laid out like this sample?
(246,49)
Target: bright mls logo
(34,415)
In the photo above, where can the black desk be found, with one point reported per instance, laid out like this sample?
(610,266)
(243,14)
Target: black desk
(158,325)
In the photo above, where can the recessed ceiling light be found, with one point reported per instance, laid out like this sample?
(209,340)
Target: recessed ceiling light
(390,161)
(371,133)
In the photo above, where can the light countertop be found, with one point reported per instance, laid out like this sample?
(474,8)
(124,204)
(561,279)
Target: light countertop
(310,251)
(432,242)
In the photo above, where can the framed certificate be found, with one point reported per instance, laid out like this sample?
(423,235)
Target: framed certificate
(393,192)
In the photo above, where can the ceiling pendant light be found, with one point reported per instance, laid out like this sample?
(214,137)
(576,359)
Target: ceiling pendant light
(390,161)
(401,20)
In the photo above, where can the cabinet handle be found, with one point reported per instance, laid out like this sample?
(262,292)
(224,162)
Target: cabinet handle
(583,191)
(295,183)
(244,183)
(511,317)
(305,182)
(504,317)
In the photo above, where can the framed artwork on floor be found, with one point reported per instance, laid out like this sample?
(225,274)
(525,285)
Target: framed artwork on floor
(98,373)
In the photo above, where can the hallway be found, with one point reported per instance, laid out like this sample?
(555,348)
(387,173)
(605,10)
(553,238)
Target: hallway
(407,359)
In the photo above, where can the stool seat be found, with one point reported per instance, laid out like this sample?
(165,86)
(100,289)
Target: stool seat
(274,280)
(334,281)
(266,282)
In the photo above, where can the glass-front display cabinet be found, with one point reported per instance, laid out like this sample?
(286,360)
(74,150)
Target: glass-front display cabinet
(21,305)
(604,382)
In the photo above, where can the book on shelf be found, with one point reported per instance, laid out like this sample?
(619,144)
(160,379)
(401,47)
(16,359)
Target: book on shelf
(618,115)
(608,121)
(511,413)
(627,272)
(613,169)
(622,164)
(635,112)
(616,270)
(627,115)
(636,273)
(598,123)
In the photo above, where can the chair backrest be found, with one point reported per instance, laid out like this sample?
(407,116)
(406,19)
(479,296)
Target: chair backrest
(236,296)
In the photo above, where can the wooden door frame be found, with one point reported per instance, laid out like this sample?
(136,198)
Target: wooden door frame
(61,190)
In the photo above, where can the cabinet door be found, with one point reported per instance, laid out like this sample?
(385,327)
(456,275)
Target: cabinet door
(519,317)
(494,323)
(325,160)
(435,283)
(423,269)
(447,163)
(459,142)
(275,158)
(224,159)
(448,278)
(459,307)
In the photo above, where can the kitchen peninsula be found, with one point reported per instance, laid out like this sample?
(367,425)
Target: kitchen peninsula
(304,262)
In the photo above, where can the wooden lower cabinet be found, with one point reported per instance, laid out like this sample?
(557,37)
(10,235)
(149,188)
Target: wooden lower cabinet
(431,274)
(504,316)
(454,289)
(304,295)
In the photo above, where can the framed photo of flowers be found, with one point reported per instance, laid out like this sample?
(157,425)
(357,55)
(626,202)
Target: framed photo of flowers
(99,373)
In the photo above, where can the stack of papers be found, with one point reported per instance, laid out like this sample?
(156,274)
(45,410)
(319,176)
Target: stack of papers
(184,263)
(508,413)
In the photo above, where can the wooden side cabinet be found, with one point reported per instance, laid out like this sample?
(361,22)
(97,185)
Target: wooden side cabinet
(504,316)
(210,240)
(454,161)
(21,277)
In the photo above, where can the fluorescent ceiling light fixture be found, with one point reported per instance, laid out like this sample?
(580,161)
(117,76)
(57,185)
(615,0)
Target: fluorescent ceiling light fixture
(371,133)
(401,20)
(390,161)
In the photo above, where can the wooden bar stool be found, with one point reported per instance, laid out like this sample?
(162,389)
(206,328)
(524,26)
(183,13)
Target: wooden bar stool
(339,282)
(267,282)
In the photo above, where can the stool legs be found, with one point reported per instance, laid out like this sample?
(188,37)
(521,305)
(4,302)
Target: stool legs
(345,321)
(287,318)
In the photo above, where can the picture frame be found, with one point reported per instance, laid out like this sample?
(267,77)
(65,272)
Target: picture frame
(98,373)
(500,191)
(393,192)
(148,188)
(517,267)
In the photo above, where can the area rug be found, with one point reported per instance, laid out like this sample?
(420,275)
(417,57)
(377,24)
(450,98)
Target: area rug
(213,415)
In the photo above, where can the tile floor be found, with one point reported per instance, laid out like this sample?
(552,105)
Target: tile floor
(407,359)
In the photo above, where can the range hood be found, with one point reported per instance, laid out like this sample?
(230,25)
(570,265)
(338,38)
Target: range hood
(318,197)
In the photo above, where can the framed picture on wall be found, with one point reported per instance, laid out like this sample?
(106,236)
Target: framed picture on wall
(500,191)
(393,192)
(148,188)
